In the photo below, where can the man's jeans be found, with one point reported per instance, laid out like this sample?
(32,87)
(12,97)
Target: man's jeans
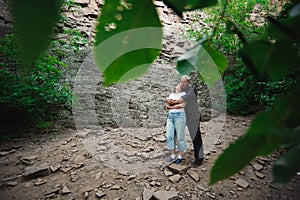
(176,121)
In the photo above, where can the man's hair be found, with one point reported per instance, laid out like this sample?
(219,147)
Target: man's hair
(187,77)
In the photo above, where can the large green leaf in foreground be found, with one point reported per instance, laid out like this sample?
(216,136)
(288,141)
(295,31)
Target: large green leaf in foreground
(287,166)
(280,56)
(34,22)
(268,131)
(128,39)
(209,63)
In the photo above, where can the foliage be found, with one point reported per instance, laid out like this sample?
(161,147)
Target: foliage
(34,20)
(279,127)
(141,46)
(239,83)
(36,93)
(71,42)
(247,94)
(240,86)
(208,62)
(271,57)
(217,19)
(227,26)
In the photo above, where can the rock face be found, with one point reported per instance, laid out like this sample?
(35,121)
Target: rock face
(139,103)
(5,19)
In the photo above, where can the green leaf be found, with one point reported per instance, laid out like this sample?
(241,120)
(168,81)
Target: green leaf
(184,67)
(180,6)
(282,61)
(218,58)
(285,29)
(286,108)
(278,59)
(267,132)
(235,157)
(276,126)
(128,39)
(209,63)
(287,166)
(137,66)
(258,52)
(266,125)
(34,22)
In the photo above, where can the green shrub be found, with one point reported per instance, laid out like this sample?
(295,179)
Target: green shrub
(33,95)
(247,94)
(240,86)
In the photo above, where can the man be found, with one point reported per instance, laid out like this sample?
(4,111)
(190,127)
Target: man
(192,117)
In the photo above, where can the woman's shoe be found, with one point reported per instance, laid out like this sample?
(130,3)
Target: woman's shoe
(178,161)
(170,160)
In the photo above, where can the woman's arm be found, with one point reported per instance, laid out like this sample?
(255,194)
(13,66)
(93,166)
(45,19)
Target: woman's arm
(177,106)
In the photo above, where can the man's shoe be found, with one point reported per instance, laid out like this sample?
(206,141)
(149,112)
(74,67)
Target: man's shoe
(178,161)
(198,162)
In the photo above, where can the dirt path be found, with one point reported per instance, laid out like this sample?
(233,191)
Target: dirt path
(126,164)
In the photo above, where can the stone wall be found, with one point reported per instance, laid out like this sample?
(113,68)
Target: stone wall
(140,103)
(5,19)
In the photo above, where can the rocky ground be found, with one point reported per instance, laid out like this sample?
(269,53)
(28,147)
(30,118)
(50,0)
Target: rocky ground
(126,163)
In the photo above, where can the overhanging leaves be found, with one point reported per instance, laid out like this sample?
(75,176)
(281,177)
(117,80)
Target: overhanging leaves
(235,157)
(283,60)
(287,165)
(268,131)
(209,63)
(266,125)
(128,39)
(258,53)
(288,28)
(34,22)
(278,57)
(218,58)
(277,60)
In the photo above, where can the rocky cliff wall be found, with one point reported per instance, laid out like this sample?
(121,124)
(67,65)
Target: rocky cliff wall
(141,102)
(138,103)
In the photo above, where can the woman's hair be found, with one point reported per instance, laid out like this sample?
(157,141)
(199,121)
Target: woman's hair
(186,77)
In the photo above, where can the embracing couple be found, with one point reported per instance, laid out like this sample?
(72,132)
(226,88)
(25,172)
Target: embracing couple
(183,110)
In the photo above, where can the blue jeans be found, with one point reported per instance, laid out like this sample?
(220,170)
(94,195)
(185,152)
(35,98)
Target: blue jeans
(176,121)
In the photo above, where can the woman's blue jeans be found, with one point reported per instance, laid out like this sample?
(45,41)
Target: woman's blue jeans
(176,121)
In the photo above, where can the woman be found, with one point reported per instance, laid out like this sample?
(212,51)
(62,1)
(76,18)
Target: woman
(176,120)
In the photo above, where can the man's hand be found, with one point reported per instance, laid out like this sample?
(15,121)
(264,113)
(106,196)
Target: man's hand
(169,103)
